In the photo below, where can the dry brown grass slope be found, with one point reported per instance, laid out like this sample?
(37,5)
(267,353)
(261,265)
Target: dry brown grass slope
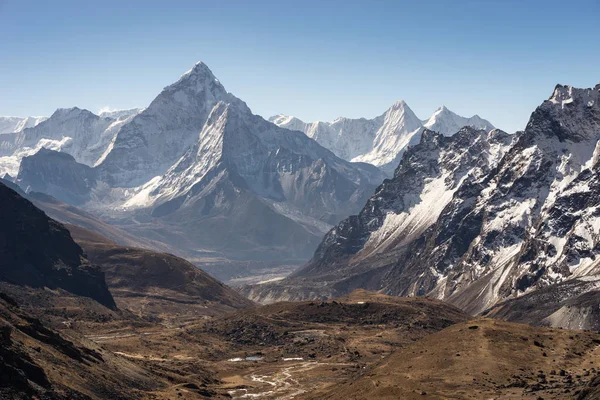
(157,285)
(482,359)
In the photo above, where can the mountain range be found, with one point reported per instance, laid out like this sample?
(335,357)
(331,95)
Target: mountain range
(476,218)
(473,223)
(80,133)
(380,141)
(195,170)
(471,215)
(17,124)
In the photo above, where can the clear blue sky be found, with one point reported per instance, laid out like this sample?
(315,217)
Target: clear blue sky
(313,59)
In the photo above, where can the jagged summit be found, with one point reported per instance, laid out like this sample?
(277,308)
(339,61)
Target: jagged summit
(448,123)
(566,94)
(382,140)
(159,135)
(399,104)
(570,113)
(199,77)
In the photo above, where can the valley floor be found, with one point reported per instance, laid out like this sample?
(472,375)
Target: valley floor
(362,346)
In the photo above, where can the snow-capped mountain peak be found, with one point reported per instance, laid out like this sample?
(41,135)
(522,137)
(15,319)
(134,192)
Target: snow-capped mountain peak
(401,116)
(158,136)
(448,123)
(17,124)
(199,77)
(399,128)
(382,140)
(107,112)
(399,104)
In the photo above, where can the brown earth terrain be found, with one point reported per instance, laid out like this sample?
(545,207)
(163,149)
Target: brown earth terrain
(362,346)
(284,349)
(483,359)
(156,327)
(157,286)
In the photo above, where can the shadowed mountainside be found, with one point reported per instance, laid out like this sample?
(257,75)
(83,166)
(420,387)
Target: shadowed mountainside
(39,252)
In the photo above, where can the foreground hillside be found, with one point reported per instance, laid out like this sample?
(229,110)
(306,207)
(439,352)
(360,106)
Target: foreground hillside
(157,285)
(370,346)
(482,358)
(38,362)
(38,252)
(48,285)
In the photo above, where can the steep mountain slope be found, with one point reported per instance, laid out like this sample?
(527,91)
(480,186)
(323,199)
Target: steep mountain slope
(572,304)
(39,252)
(523,217)
(361,250)
(68,214)
(382,140)
(158,136)
(17,124)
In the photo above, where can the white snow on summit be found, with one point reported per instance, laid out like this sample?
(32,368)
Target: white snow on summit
(159,135)
(448,123)
(108,112)
(400,128)
(17,124)
(81,133)
(380,141)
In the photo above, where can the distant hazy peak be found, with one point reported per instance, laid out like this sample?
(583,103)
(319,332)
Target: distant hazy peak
(117,114)
(448,123)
